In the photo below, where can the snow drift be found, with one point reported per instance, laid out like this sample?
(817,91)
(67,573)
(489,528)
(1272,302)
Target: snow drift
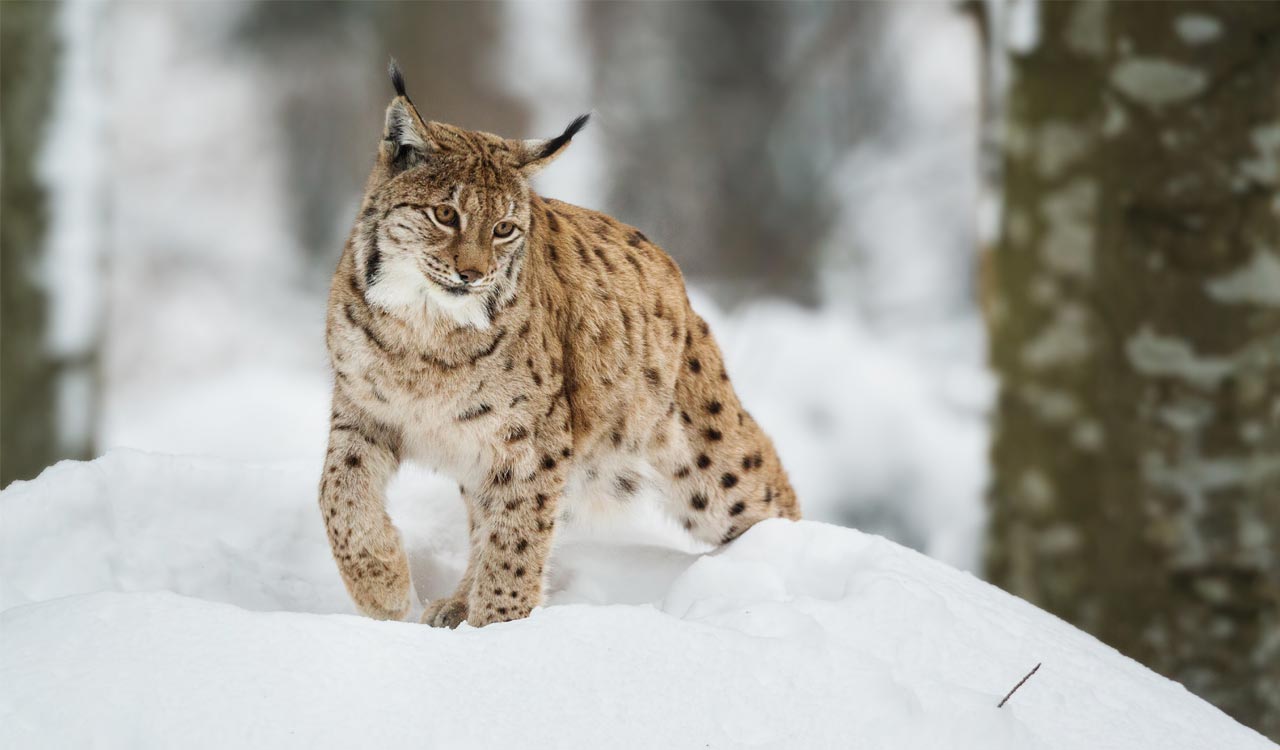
(153,601)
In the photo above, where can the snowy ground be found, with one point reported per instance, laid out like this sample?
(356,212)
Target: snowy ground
(157,601)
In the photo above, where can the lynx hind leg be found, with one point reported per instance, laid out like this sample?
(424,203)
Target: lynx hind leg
(717,517)
(729,478)
(365,544)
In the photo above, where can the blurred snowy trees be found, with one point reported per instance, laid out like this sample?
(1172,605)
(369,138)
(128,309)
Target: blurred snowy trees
(1136,331)
(32,368)
(812,153)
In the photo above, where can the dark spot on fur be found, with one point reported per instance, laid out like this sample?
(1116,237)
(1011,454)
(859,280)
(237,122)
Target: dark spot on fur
(694,365)
(652,376)
(353,460)
(698,501)
(540,500)
(768,494)
(712,434)
(517,434)
(682,472)
(519,572)
(503,476)
(703,461)
(521,546)
(474,412)
(684,417)
(728,480)
(737,508)
(548,463)
(714,407)
(626,484)
(366,330)
(603,259)
(372,265)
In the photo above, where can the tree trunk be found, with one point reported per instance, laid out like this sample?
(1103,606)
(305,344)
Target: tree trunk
(1136,331)
(28,435)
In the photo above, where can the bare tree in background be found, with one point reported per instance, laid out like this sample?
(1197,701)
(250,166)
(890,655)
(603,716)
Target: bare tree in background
(1136,330)
(327,63)
(717,115)
(28,434)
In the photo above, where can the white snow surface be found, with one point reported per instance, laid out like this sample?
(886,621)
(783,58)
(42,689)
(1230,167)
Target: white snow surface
(161,601)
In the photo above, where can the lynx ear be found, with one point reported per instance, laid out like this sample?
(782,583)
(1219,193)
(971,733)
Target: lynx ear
(405,135)
(537,154)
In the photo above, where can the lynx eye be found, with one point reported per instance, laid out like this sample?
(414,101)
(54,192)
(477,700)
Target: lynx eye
(503,229)
(445,214)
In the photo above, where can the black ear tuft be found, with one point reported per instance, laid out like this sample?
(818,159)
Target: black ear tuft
(397,78)
(557,143)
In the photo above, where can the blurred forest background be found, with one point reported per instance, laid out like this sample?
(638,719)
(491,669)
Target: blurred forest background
(885,209)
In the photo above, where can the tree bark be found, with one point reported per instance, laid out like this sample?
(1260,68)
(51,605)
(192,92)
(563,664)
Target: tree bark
(1136,330)
(28,435)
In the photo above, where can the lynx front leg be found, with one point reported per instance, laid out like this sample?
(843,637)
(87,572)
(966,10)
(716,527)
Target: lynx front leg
(518,518)
(366,546)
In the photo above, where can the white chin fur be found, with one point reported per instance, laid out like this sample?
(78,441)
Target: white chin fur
(467,310)
(400,287)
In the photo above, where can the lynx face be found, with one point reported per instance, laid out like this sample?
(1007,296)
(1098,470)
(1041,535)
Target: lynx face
(441,236)
(447,214)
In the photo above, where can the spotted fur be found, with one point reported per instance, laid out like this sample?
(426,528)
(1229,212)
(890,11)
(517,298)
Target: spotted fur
(569,371)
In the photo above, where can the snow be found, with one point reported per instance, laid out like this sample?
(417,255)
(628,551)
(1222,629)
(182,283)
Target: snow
(154,600)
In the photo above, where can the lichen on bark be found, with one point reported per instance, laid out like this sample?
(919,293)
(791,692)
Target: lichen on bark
(1137,338)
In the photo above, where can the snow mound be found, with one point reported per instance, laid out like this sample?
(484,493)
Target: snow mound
(797,635)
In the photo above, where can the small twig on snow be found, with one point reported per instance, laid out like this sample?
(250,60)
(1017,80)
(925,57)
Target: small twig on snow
(1015,687)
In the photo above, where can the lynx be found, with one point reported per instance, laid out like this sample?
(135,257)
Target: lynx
(543,355)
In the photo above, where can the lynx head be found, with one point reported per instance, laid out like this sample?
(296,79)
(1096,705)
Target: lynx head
(446,213)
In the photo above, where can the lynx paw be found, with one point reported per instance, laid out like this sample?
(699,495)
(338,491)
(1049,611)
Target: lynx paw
(445,613)
(378,581)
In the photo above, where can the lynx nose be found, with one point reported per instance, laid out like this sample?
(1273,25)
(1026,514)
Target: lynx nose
(469,275)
